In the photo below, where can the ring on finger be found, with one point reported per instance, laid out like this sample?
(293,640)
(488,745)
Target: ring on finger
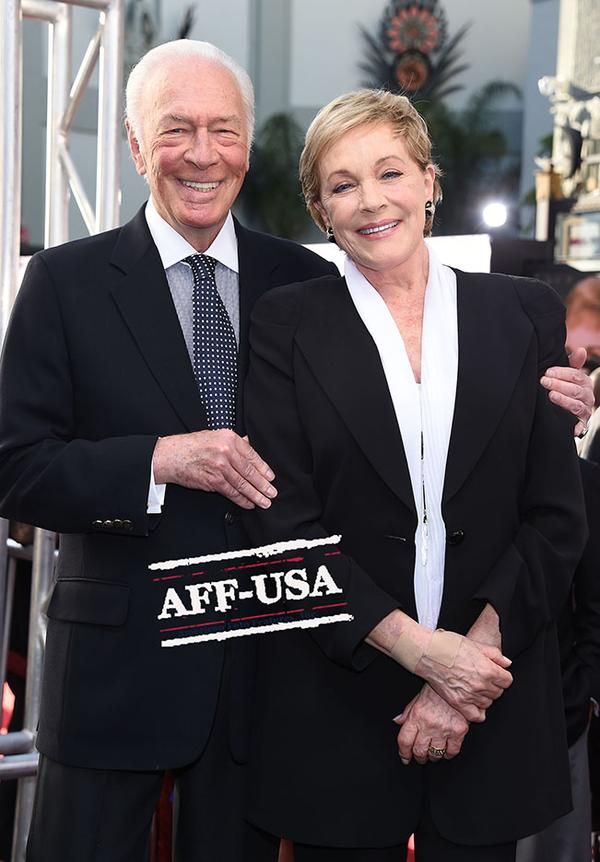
(436,753)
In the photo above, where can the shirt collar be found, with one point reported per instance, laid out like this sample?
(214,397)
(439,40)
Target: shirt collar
(172,247)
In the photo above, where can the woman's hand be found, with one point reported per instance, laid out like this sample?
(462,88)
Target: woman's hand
(429,722)
(467,674)
(486,628)
(477,677)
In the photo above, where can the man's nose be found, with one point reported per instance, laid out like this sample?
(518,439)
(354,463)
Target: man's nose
(202,151)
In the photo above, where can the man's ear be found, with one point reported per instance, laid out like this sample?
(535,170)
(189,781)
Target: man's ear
(136,152)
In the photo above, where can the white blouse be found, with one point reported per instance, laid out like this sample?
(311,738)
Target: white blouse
(424,412)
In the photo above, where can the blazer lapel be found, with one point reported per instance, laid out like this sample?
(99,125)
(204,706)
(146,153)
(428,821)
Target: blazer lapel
(144,300)
(492,343)
(346,363)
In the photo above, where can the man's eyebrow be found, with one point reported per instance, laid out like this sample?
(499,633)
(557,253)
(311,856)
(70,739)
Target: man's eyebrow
(173,118)
(232,119)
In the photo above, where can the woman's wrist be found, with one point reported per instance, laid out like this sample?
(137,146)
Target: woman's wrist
(409,643)
(417,648)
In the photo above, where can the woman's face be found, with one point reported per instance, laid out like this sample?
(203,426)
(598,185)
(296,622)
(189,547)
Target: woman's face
(373,195)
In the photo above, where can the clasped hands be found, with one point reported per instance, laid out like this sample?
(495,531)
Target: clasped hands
(453,696)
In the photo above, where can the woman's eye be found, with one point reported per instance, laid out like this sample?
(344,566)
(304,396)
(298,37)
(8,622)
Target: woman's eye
(341,187)
(392,175)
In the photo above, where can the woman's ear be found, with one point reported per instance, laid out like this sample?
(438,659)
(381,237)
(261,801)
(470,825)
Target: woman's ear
(323,213)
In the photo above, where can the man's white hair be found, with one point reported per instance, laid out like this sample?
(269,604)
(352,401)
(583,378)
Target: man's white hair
(180,49)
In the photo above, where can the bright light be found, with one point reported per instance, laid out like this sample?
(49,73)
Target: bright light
(494,214)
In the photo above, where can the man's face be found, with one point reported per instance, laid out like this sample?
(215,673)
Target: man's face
(192,146)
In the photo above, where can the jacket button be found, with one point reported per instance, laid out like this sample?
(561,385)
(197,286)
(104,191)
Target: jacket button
(97,524)
(127,525)
(229,518)
(108,524)
(456,537)
(118,524)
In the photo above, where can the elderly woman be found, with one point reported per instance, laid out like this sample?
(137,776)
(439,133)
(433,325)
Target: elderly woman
(400,407)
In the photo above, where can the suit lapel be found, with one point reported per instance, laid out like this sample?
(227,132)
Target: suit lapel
(346,363)
(144,300)
(255,276)
(492,343)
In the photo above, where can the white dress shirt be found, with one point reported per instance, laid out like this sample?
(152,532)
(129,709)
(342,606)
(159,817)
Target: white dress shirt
(173,249)
(424,412)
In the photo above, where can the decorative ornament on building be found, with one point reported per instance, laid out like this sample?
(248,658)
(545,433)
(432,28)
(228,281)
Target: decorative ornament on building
(576,149)
(143,31)
(414,27)
(412,52)
(412,70)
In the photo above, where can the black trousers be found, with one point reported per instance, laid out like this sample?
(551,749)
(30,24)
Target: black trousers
(101,815)
(429,847)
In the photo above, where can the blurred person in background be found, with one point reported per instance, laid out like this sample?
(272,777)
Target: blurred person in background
(583,317)
(568,838)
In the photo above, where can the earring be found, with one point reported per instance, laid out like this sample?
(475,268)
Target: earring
(330,235)
(429,208)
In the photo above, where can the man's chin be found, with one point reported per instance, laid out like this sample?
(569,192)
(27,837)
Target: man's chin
(200,229)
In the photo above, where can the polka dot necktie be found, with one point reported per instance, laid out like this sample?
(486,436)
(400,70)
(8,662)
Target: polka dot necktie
(214,356)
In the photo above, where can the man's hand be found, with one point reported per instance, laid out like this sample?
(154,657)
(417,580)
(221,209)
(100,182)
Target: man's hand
(477,677)
(571,389)
(219,461)
(430,721)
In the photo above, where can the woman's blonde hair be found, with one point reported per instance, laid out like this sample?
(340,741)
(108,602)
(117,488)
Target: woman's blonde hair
(355,109)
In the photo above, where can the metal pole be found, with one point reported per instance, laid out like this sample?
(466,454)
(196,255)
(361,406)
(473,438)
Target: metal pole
(76,187)
(10,155)
(19,742)
(110,111)
(43,10)
(20,766)
(89,4)
(7,584)
(60,113)
(82,79)
(41,580)
(57,185)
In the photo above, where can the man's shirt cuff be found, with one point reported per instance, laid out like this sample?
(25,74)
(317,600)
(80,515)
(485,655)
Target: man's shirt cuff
(156,495)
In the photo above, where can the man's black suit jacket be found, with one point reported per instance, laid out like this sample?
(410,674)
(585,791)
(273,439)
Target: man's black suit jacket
(325,768)
(94,369)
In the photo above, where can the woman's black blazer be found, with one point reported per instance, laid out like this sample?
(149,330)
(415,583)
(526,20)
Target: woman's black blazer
(326,768)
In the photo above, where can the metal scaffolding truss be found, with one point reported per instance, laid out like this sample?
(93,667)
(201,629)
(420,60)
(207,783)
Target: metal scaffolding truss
(105,50)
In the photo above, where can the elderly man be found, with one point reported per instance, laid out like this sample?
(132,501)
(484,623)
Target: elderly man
(120,430)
